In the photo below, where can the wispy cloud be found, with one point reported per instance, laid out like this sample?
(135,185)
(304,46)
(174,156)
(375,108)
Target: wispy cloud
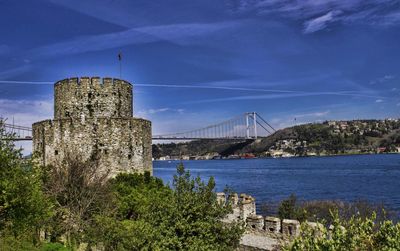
(312,114)
(153,111)
(382,79)
(282,96)
(207,85)
(291,119)
(379,101)
(317,15)
(26,112)
(182,34)
(9,73)
(160,110)
(17,82)
(272,93)
(321,22)
(392,18)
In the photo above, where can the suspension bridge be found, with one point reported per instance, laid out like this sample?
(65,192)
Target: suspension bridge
(249,125)
(15,132)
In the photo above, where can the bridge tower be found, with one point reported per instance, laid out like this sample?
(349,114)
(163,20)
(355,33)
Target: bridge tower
(93,119)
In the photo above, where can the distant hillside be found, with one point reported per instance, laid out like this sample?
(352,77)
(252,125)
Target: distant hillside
(330,137)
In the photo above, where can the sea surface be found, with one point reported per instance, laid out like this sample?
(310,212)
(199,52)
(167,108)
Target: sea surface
(375,178)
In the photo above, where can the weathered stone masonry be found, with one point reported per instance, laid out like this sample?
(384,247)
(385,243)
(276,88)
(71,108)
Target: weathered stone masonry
(93,117)
(262,233)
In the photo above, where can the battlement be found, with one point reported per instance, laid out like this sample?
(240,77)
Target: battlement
(92,97)
(262,232)
(92,82)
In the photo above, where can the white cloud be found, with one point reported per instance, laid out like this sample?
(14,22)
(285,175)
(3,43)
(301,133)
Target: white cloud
(398,104)
(26,112)
(313,114)
(387,77)
(392,18)
(383,79)
(318,14)
(321,22)
(159,110)
(153,111)
(378,101)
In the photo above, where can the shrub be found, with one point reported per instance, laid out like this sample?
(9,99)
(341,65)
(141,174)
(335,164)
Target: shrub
(152,216)
(23,205)
(289,209)
(358,233)
(53,247)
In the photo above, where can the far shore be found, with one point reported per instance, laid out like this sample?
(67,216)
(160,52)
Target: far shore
(270,157)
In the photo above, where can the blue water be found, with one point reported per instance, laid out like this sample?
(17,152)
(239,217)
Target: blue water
(375,178)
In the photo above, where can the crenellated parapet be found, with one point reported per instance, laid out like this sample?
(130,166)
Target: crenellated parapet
(244,209)
(92,97)
(263,233)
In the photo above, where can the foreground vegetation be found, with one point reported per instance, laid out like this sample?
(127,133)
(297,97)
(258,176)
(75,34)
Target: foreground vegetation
(75,206)
(321,210)
(343,226)
(358,233)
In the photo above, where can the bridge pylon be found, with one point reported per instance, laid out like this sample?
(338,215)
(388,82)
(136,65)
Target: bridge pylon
(249,125)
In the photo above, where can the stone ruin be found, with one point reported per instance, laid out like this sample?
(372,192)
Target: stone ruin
(244,209)
(93,120)
(262,233)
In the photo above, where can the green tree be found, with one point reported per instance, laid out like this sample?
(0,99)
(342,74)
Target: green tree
(23,205)
(79,191)
(152,216)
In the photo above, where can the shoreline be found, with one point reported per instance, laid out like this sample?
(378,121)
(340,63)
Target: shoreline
(306,156)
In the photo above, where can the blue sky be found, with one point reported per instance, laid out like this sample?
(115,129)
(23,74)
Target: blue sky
(194,63)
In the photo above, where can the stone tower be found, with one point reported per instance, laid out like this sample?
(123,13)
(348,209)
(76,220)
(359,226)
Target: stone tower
(93,119)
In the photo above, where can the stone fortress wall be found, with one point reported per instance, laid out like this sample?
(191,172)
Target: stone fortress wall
(93,119)
(262,233)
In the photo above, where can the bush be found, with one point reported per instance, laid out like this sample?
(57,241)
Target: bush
(152,216)
(79,191)
(320,210)
(289,209)
(23,205)
(356,234)
(53,247)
